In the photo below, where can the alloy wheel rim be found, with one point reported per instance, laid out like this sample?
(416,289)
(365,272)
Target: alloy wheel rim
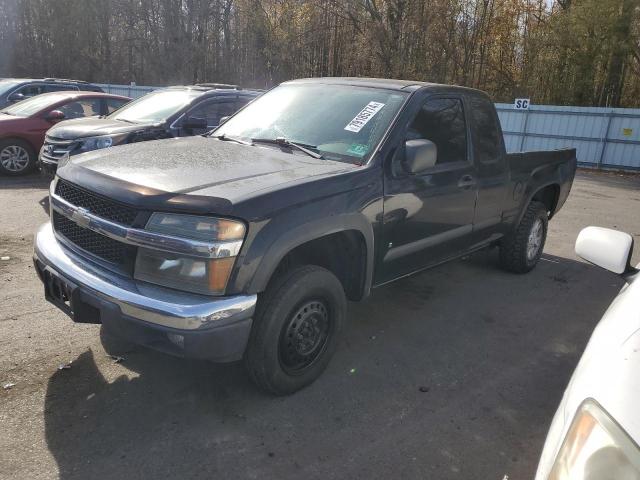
(535,239)
(14,158)
(304,337)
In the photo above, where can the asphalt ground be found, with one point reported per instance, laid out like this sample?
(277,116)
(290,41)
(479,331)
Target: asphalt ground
(454,373)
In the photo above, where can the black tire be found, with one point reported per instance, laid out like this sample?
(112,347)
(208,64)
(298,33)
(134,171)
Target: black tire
(515,256)
(19,146)
(310,293)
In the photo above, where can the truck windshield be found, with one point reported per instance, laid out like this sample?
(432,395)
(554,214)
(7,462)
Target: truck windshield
(28,107)
(155,107)
(340,122)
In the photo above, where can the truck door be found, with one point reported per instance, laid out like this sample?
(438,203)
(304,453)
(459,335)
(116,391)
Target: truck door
(428,216)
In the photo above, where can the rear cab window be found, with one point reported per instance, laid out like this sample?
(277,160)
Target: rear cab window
(487,136)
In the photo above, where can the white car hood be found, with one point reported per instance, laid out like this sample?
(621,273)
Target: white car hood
(609,372)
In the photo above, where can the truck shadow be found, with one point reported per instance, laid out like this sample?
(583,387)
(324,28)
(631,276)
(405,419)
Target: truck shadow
(32,180)
(452,373)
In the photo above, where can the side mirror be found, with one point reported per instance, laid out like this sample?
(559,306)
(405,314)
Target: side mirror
(606,248)
(419,155)
(224,119)
(16,97)
(195,122)
(55,116)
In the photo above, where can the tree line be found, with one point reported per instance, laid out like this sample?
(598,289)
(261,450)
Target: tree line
(576,52)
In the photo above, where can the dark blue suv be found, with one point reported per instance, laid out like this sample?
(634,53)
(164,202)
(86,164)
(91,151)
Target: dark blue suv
(14,90)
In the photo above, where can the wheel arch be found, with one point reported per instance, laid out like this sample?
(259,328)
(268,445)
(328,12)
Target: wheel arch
(338,243)
(14,137)
(547,193)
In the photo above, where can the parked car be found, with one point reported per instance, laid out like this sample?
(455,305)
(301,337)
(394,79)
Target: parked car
(596,430)
(247,243)
(164,113)
(13,90)
(23,126)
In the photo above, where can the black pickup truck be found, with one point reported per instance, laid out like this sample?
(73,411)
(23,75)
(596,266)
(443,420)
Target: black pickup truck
(246,243)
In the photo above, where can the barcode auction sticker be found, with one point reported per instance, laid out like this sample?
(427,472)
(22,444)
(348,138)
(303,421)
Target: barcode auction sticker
(364,116)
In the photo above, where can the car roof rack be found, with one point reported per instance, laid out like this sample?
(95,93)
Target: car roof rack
(52,79)
(226,86)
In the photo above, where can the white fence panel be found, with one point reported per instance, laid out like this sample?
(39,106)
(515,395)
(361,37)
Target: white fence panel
(603,137)
(126,90)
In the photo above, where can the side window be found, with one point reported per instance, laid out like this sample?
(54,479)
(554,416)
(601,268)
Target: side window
(442,121)
(31,90)
(114,104)
(487,130)
(59,88)
(86,107)
(213,111)
(242,101)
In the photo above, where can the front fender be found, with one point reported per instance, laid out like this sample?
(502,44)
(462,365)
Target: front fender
(275,238)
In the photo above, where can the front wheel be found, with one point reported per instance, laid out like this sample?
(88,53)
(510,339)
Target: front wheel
(295,330)
(16,157)
(521,250)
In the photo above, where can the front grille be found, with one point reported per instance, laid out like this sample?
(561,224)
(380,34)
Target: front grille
(96,204)
(104,247)
(55,148)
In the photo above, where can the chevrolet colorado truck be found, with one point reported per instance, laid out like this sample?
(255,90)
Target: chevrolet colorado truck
(246,243)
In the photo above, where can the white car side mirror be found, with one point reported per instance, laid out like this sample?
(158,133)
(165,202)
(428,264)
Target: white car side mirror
(606,248)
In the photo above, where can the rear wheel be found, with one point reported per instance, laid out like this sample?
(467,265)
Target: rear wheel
(295,329)
(16,157)
(521,250)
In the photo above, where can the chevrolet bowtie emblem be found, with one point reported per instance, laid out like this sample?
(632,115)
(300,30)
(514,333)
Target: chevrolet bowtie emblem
(81,217)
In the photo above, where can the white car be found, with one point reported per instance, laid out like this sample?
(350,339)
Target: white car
(596,430)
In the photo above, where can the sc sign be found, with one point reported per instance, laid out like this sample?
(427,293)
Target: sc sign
(522,104)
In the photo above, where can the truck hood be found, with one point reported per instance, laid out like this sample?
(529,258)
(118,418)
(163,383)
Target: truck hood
(90,127)
(201,166)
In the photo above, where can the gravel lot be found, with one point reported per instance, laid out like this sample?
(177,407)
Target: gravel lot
(491,351)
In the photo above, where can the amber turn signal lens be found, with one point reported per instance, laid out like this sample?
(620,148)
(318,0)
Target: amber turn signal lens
(230,230)
(219,271)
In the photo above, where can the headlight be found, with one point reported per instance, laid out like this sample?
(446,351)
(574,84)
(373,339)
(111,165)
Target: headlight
(596,448)
(194,274)
(96,143)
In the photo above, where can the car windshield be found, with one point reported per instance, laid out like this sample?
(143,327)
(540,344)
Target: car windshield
(28,107)
(7,86)
(155,107)
(339,122)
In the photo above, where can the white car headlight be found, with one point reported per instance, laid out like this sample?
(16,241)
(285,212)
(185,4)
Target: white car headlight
(194,274)
(596,448)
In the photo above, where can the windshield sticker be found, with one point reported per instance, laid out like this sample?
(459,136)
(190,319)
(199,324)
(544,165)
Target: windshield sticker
(364,116)
(358,149)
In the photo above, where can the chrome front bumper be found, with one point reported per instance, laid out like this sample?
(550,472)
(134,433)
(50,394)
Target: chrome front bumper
(156,306)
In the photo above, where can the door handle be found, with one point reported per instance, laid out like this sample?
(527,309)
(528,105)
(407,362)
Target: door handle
(467,181)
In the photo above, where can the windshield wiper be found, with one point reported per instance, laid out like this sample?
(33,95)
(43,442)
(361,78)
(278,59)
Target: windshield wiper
(124,120)
(303,147)
(230,139)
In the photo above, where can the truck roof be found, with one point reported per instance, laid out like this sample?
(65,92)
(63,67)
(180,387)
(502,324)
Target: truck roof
(390,84)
